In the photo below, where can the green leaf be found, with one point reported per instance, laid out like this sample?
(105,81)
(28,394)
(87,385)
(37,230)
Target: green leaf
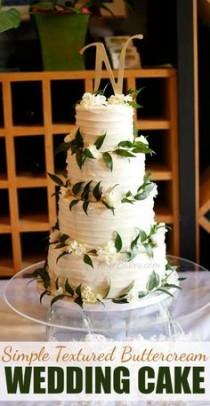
(120,300)
(60,245)
(45,292)
(88,153)
(143,236)
(73,203)
(93,252)
(141,294)
(100,140)
(87,260)
(68,288)
(108,160)
(9,19)
(85,206)
(130,254)
(56,179)
(63,237)
(78,301)
(56,283)
(118,242)
(141,147)
(153,281)
(97,192)
(56,298)
(80,158)
(78,140)
(125,144)
(86,191)
(123,153)
(108,207)
(43,274)
(144,192)
(127,289)
(126,200)
(77,187)
(135,241)
(171,285)
(63,254)
(165,291)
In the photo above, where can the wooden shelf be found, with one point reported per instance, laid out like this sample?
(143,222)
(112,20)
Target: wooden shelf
(153,124)
(6,267)
(164,215)
(30,181)
(160,172)
(4,183)
(25,186)
(34,222)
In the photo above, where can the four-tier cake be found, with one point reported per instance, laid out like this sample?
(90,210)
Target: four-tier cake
(106,243)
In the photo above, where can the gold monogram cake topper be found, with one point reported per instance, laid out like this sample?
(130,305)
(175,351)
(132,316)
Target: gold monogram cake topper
(102,57)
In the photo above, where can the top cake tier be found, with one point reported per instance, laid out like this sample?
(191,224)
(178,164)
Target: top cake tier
(116,121)
(103,147)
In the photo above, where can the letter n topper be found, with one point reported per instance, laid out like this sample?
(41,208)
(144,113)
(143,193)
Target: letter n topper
(102,57)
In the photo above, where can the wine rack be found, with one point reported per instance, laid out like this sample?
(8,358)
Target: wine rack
(36,111)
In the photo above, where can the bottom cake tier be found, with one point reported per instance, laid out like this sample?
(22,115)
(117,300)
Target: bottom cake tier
(121,276)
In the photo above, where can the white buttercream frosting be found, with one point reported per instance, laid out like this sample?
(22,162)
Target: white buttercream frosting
(117,276)
(93,230)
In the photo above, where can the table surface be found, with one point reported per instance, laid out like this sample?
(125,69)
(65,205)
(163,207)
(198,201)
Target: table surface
(16,328)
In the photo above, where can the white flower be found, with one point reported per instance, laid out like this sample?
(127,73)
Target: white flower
(108,253)
(88,295)
(112,197)
(54,236)
(142,139)
(76,248)
(100,100)
(154,191)
(90,99)
(92,148)
(59,291)
(128,98)
(117,99)
(159,235)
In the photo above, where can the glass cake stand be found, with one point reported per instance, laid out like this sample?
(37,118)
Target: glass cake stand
(154,317)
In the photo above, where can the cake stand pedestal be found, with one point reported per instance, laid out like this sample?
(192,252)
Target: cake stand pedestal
(156,316)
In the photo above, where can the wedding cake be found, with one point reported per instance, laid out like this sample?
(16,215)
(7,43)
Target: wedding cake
(106,243)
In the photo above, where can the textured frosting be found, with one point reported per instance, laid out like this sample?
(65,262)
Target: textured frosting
(114,120)
(117,276)
(98,226)
(127,173)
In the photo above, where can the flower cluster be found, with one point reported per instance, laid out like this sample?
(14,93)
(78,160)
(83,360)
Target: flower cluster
(108,253)
(158,235)
(77,248)
(90,99)
(112,197)
(120,99)
(89,296)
